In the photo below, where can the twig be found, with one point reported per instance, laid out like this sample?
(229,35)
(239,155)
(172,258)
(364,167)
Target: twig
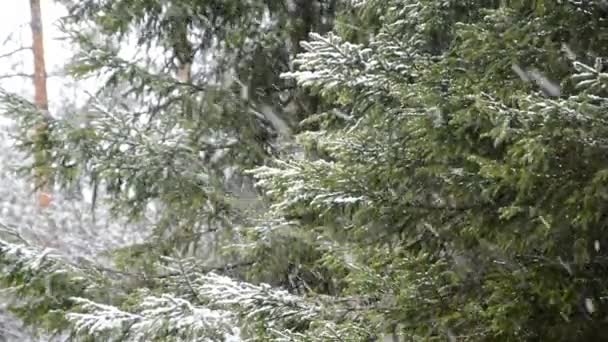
(19,74)
(12,232)
(188,282)
(8,54)
(226,267)
(22,74)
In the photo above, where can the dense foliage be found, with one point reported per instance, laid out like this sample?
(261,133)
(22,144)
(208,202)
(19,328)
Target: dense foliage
(465,187)
(450,182)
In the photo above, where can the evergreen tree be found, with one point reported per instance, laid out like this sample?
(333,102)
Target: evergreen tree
(190,97)
(456,189)
(451,185)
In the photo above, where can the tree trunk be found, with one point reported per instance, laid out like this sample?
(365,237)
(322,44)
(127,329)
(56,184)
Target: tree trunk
(184,73)
(41,102)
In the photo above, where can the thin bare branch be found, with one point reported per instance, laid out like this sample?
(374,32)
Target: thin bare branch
(9,54)
(19,74)
(26,75)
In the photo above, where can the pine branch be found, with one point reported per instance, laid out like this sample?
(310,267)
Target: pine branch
(211,269)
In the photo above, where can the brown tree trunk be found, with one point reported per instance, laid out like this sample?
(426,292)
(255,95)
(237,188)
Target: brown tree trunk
(41,98)
(184,73)
(41,102)
(182,48)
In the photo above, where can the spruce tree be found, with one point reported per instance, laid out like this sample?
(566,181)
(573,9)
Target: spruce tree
(450,181)
(455,190)
(189,97)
